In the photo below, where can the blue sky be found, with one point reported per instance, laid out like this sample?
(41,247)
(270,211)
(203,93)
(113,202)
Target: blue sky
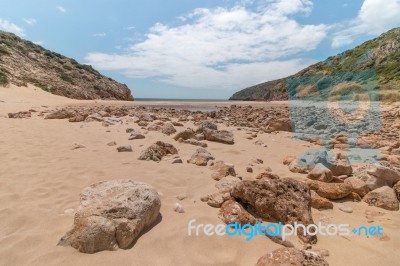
(198,49)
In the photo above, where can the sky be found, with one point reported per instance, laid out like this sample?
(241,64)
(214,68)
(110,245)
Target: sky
(204,49)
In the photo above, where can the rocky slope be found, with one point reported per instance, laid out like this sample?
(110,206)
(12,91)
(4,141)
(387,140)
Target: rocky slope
(23,62)
(381,55)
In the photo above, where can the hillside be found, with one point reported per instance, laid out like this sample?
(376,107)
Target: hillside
(23,62)
(374,65)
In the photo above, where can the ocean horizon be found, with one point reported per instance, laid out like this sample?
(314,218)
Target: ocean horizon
(178,100)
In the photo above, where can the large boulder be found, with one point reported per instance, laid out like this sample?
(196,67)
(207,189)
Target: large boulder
(157,151)
(330,191)
(291,257)
(279,200)
(396,189)
(383,197)
(112,214)
(201,157)
(221,136)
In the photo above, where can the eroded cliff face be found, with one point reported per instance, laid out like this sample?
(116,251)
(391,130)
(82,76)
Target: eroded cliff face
(381,54)
(23,62)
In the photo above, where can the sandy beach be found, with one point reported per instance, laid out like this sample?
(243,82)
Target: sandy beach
(42,177)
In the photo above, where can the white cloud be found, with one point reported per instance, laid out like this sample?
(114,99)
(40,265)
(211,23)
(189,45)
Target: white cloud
(30,21)
(38,42)
(61,9)
(374,17)
(130,28)
(102,34)
(221,47)
(6,25)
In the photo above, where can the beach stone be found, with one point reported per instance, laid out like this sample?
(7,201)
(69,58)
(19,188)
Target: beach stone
(320,203)
(341,167)
(267,175)
(201,157)
(346,209)
(136,135)
(289,159)
(217,199)
(292,257)
(157,151)
(112,214)
(78,118)
(221,136)
(249,169)
(185,134)
(168,129)
(386,172)
(142,123)
(112,143)
(280,125)
(25,114)
(279,200)
(357,185)
(232,212)
(330,191)
(77,146)
(383,197)
(295,167)
(196,143)
(178,208)
(60,114)
(206,125)
(94,118)
(154,127)
(221,169)
(321,173)
(127,148)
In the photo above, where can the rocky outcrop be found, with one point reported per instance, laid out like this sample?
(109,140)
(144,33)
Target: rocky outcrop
(24,62)
(292,257)
(157,151)
(379,56)
(112,214)
(279,200)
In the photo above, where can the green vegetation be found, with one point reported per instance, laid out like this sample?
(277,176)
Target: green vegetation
(371,64)
(3,78)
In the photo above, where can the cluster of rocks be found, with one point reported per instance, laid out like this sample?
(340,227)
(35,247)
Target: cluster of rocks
(375,184)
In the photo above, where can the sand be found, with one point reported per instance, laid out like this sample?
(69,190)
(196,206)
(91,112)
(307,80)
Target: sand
(41,178)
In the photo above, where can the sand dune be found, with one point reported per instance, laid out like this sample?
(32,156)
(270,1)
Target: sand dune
(41,178)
